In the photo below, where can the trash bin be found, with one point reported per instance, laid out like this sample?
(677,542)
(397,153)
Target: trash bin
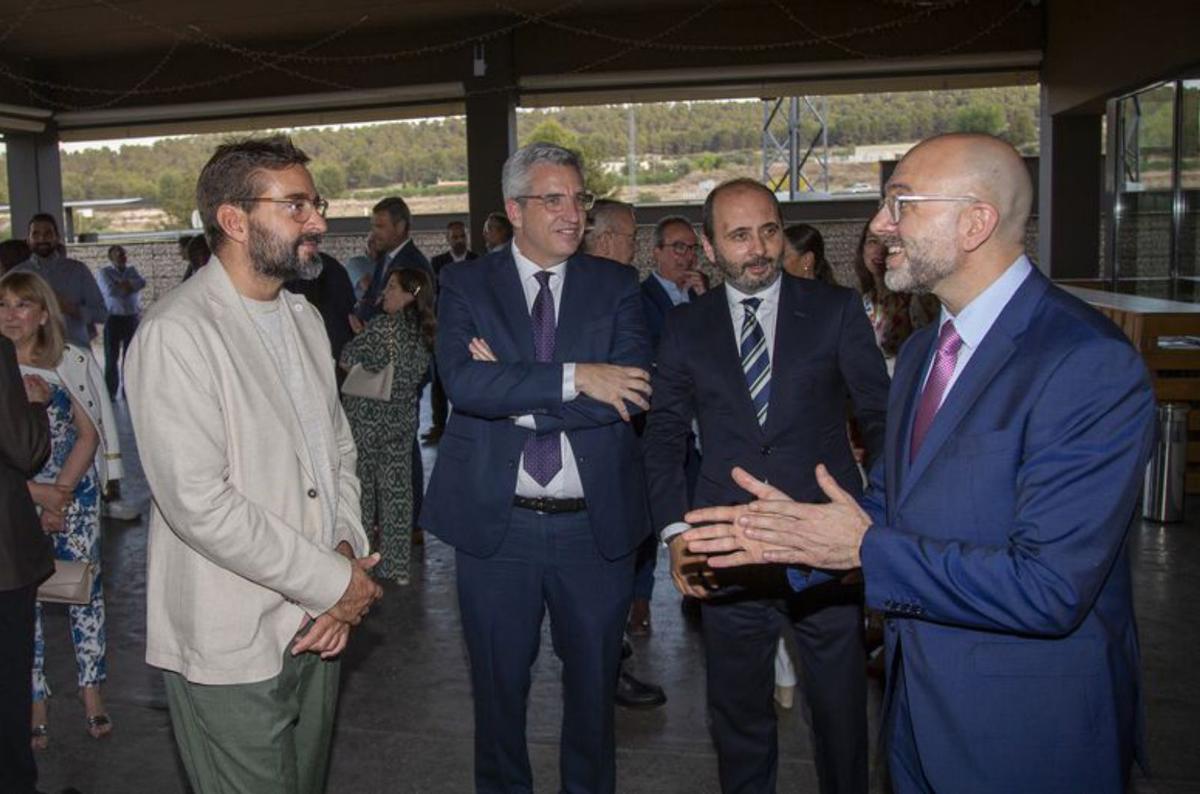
(1162,497)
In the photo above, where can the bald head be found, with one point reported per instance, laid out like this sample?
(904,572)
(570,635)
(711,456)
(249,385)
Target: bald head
(982,166)
(611,231)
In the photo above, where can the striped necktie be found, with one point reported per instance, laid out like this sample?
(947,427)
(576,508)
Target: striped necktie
(756,359)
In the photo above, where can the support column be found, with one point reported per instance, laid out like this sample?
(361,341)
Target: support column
(491,131)
(1070,191)
(34,178)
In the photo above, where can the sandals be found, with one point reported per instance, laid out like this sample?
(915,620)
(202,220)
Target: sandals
(99,726)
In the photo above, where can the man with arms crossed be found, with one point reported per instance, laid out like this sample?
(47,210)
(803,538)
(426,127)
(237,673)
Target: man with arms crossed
(538,483)
(254,577)
(994,533)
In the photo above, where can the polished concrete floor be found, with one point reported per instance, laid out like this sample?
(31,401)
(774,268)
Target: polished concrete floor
(404,723)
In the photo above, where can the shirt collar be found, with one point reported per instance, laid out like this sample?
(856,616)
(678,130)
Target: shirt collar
(978,316)
(673,291)
(770,295)
(527,268)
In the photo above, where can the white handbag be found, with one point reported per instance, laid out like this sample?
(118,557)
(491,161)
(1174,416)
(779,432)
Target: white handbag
(361,382)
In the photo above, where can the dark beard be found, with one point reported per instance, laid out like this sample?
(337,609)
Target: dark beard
(274,258)
(735,272)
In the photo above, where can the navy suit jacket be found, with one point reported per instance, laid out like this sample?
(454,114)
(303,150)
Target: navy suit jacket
(656,303)
(824,354)
(446,258)
(407,256)
(1000,554)
(469,501)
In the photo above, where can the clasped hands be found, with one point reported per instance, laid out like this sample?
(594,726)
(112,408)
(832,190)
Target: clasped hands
(612,384)
(329,632)
(777,529)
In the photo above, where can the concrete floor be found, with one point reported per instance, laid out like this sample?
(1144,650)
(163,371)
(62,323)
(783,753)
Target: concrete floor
(405,724)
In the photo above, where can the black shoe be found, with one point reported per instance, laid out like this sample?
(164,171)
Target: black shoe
(635,694)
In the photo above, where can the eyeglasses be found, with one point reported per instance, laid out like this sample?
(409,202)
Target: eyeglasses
(557,202)
(300,209)
(682,249)
(895,204)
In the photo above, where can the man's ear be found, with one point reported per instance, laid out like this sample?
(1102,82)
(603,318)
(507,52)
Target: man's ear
(512,208)
(977,224)
(234,222)
(708,248)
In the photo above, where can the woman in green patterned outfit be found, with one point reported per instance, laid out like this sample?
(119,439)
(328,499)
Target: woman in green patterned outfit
(402,335)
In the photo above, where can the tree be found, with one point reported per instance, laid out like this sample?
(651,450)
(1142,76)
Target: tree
(358,171)
(986,117)
(594,178)
(330,179)
(177,196)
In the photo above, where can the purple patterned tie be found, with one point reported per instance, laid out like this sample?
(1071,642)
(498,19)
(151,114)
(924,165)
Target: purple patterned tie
(948,345)
(543,453)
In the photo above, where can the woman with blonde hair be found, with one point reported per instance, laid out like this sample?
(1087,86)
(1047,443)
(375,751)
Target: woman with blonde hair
(67,489)
(401,336)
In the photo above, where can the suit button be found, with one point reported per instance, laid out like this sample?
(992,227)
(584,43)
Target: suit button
(766,449)
(312,493)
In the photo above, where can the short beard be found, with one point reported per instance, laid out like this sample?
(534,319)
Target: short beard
(274,258)
(922,271)
(736,276)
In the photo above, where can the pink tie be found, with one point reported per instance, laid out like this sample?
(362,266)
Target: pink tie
(949,343)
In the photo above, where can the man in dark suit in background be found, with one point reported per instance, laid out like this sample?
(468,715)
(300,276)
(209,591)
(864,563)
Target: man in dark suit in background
(766,365)
(675,279)
(26,560)
(333,295)
(994,535)
(538,483)
(456,238)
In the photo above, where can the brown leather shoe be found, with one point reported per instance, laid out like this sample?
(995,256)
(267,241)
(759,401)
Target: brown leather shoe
(639,618)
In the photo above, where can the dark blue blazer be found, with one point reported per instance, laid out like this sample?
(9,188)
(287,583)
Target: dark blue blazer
(824,355)
(408,256)
(469,501)
(1000,554)
(656,303)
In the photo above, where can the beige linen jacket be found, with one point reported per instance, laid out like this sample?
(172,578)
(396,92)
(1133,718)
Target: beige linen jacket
(236,556)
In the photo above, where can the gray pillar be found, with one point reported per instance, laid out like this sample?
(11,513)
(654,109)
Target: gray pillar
(1070,190)
(491,131)
(34,178)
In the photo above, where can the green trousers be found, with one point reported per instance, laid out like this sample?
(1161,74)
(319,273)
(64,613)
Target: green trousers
(269,737)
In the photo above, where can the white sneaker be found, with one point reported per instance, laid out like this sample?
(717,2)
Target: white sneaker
(120,511)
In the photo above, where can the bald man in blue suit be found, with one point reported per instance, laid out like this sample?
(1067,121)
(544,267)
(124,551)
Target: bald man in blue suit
(994,534)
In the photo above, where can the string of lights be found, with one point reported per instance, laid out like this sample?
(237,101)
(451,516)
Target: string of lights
(48,92)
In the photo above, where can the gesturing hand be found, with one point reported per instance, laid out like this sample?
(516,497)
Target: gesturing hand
(481,350)
(360,593)
(615,385)
(689,571)
(722,534)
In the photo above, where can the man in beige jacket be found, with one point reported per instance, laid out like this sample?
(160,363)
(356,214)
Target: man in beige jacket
(256,567)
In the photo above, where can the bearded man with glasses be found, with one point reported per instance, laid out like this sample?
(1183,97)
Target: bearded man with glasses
(256,569)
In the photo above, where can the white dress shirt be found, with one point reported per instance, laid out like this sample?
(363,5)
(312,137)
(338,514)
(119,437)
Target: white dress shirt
(767,313)
(566,483)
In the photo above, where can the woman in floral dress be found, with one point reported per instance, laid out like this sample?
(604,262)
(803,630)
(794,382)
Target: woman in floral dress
(384,430)
(67,489)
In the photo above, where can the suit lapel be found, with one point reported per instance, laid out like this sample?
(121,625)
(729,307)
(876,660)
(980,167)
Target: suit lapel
(901,399)
(249,354)
(577,286)
(793,315)
(658,294)
(994,352)
(510,296)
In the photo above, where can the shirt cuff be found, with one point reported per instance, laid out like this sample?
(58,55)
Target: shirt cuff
(671,530)
(569,392)
(526,421)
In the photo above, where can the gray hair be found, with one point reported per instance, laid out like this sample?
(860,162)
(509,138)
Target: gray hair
(660,228)
(514,179)
(604,212)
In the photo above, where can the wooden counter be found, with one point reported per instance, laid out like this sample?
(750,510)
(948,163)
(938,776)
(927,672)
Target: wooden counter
(1158,329)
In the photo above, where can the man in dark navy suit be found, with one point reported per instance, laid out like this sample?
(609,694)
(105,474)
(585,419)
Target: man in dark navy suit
(538,483)
(390,240)
(456,238)
(766,364)
(994,533)
(675,279)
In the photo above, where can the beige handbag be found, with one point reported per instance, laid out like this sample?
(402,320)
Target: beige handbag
(71,583)
(361,382)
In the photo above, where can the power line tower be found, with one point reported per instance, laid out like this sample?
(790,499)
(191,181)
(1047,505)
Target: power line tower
(806,165)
